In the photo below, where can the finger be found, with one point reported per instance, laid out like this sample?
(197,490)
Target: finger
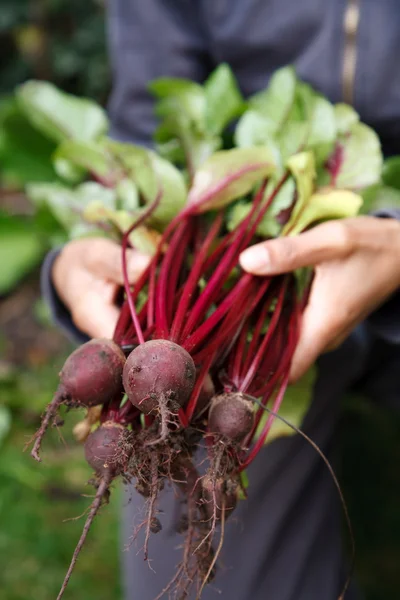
(325,242)
(104,259)
(96,316)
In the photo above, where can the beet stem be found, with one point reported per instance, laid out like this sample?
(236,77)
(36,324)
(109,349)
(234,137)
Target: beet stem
(125,240)
(221,273)
(192,280)
(101,491)
(253,369)
(50,413)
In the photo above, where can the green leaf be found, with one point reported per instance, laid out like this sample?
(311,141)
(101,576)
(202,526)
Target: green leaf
(224,101)
(228,175)
(275,102)
(269,225)
(20,251)
(322,132)
(174,191)
(391,172)
(181,95)
(150,172)
(86,156)
(5,422)
(292,138)
(67,205)
(128,194)
(25,154)
(61,116)
(182,108)
(379,196)
(362,160)
(142,238)
(302,167)
(295,406)
(332,204)
(345,117)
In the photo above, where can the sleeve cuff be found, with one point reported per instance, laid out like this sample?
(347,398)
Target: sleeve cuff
(59,312)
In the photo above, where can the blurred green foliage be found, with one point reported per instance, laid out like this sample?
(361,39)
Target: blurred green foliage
(59,40)
(36,543)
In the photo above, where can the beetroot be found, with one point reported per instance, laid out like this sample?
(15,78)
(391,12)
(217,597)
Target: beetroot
(158,369)
(231,416)
(107,449)
(91,375)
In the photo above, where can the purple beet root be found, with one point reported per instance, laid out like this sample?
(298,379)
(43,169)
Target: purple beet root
(231,416)
(108,449)
(91,376)
(159,372)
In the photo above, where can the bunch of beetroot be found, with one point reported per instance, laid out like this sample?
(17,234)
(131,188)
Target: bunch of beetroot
(205,338)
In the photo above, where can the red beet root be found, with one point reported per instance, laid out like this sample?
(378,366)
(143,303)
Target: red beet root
(107,449)
(158,369)
(231,416)
(91,375)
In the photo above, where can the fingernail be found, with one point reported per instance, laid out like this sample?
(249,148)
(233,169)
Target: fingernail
(255,260)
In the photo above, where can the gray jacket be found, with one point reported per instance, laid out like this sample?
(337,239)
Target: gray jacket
(285,541)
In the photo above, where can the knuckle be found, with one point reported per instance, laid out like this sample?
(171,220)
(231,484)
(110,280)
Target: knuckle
(283,252)
(340,235)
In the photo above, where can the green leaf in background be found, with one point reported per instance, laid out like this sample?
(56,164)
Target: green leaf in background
(378,197)
(224,102)
(345,117)
(61,116)
(253,129)
(331,204)
(67,205)
(86,156)
(21,250)
(295,406)
(361,160)
(322,132)
(5,422)
(128,194)
(275,102)
(228,175)
(25,154)
(391,172)
(182,107)
(181,96)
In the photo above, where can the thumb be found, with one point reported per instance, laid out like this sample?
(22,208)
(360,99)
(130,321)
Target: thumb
(325,242)
(104,259)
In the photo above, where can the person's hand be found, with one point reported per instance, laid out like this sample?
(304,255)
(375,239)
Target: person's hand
(357,266)
(87,275)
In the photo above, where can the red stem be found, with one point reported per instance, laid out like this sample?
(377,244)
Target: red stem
(125,240)
(193,278)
